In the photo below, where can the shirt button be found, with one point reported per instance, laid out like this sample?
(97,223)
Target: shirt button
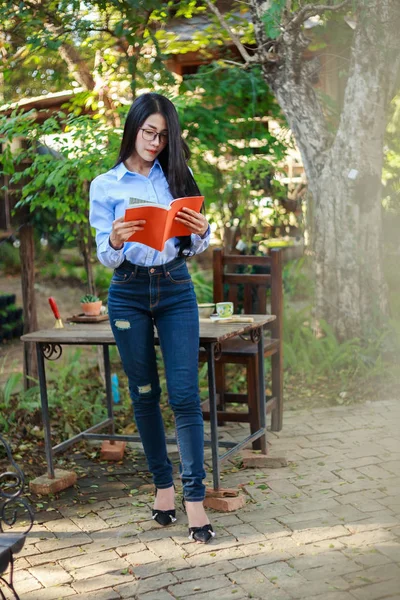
(152,270)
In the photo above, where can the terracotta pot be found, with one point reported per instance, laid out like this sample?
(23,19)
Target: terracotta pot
(91,309)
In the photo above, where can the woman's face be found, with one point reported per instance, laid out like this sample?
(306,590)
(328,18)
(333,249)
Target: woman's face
(147,148)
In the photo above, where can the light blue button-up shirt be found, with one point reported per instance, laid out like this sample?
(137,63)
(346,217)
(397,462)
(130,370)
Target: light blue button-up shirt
(109,197)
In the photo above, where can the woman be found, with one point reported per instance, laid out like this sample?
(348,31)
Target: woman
(154,288)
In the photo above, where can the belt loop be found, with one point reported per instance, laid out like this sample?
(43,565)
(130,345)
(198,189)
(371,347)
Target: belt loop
(164,268)
(135,270)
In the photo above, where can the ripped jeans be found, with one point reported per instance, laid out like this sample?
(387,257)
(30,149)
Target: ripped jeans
(139,298)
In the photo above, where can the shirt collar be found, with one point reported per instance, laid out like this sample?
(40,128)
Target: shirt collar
(121,169)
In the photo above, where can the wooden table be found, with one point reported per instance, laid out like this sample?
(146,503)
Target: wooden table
(49,344)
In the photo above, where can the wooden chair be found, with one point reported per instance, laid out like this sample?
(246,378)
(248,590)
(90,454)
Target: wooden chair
(249,293)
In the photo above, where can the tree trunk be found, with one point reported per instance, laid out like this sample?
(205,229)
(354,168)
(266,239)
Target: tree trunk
(27,255)
(343,172)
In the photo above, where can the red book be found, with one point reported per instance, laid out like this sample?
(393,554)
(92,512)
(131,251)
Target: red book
(160,225)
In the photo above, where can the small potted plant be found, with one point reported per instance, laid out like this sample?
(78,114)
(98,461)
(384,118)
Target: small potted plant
(91,305)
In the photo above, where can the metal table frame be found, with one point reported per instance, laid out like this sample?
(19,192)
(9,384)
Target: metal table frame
(52,350)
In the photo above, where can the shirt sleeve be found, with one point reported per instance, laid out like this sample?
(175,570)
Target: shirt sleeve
(200,242)
(101,217)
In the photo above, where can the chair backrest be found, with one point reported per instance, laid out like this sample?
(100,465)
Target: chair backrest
(250,290)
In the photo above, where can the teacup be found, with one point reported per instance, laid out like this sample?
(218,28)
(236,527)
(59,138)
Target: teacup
(224,309)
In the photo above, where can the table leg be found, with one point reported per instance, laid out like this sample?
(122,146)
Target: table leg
(261,392)
(45,410)
(213,413)
(107,376)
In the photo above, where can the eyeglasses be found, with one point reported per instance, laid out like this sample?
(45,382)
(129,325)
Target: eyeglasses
(149,135)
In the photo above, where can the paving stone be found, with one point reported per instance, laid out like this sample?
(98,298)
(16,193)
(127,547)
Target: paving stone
(56,544)
(165,548)
(51,593)
(157,567)
(348,513)
(333,596)
(178,532)
(382,520)
(218,568)
(217,543)
(369,558)
(98,568)
(63,526)
(138,587)
(90,522)
(83,509)
(130,549)
(374,574)
(25,582)
(158,595)
(325,528)
(113,537)
(254,582)
(233,591)
(181,590)
(340,566)
(360,500)
(55,555)
(366,538)
(323,503)
(318,560)
(376,590)
(309,588)
(257,555)
(269,512)
(21,563)
(107,594)
(50,574)
(86,559)
(141,558)
(308,536)
(103,581)
(328,521)
(246,533)
(305,516)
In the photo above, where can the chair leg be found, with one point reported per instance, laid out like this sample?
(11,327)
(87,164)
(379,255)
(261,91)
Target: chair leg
(277,390)
(252,397)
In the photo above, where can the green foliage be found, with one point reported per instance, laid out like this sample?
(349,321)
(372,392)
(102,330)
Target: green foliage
(119,41)
(7,413)
(312,350)
(297,281)
(391,173)
(225,112)
(10,262)
(202,281)
(272,18)
(63,155)
(76,395)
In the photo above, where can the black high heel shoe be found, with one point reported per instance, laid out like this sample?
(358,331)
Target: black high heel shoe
(200,534)
(163,517)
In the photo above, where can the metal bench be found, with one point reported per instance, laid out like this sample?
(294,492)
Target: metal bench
(11,505)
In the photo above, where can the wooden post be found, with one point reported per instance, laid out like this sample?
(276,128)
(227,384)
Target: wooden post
(27,255)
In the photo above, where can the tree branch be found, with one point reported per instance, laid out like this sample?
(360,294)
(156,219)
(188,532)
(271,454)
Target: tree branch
(311,10)
(245,55)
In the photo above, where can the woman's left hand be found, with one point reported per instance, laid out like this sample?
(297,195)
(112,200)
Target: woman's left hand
(195,222)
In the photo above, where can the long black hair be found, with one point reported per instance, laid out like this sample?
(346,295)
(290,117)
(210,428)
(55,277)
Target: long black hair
(174,156)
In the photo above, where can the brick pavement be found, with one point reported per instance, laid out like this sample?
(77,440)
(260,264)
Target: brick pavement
(327,527)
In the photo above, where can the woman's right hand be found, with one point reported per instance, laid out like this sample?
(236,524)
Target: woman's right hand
(122,231)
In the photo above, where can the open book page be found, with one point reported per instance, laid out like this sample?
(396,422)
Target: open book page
(136,202)
(160,224)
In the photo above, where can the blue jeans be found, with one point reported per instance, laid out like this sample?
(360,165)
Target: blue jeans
(139,298)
